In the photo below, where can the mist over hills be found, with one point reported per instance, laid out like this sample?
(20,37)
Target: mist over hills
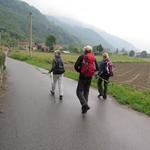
(98,36)
(14,20)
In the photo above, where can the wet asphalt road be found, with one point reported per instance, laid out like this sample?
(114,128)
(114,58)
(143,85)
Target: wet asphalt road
(34,120)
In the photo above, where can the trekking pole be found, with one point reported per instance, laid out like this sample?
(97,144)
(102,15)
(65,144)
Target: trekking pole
(105,80)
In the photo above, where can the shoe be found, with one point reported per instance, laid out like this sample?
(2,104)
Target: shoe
(104,97)
(99,96)
(85,108)
(52,93)
(60,97)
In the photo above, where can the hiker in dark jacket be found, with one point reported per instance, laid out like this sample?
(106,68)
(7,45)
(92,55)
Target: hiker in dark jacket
(86,65)
(57,70)
(104,73)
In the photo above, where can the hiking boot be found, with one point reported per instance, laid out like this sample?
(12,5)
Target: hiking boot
(60,97)
(85,108)
(52,93)
(99,96)
(104,97)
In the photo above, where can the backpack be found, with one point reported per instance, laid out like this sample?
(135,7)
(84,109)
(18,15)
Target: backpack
(58,66)
(105,69)
(88,65)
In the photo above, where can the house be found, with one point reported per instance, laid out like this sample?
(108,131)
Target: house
(58,47)
(24,45)
(42,46)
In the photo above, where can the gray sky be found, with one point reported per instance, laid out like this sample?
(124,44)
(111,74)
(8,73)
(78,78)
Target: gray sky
(128,19)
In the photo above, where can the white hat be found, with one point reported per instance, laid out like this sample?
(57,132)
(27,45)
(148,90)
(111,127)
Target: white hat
(88,48)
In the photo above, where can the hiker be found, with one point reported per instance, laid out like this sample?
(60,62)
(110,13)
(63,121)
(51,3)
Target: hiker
(57,70)
(105,71)
(86,65)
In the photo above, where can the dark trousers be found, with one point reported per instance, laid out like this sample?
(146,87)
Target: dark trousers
(102,86)
(83,90)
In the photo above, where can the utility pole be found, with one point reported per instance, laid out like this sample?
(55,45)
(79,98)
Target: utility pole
(30,41)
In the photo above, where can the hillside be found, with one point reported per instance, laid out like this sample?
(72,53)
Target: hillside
(14,20)
(116,42)
(88,33)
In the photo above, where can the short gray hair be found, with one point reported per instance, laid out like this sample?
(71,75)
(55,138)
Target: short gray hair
(88,48)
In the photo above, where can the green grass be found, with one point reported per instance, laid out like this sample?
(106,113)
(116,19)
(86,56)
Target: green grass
(71,58)
(138,100)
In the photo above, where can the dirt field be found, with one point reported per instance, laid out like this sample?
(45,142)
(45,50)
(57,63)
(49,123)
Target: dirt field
(136,75)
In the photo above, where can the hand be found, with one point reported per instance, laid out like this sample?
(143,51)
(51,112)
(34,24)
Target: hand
(96,76)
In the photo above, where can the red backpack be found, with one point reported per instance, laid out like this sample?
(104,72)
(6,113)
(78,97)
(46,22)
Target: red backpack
(88,65)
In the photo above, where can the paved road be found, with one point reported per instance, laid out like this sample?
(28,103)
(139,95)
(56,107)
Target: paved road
(34,120)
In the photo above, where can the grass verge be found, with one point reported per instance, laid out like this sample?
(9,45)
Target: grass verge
(138,100)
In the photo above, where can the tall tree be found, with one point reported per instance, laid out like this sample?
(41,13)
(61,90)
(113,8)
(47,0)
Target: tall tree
(50,41)
(132,53)
(100,48)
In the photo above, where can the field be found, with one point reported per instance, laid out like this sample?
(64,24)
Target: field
(134,72)
(130,84)
(135,75)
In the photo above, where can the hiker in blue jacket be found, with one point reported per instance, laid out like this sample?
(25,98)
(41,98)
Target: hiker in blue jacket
(104,73)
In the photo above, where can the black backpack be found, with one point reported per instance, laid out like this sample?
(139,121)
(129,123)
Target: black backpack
(104,68)
(58,66)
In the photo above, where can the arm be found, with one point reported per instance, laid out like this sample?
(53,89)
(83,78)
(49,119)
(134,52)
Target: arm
(96,65)
(78,63)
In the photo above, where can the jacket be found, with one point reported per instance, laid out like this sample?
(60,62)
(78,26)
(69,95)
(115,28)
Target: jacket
(78,65)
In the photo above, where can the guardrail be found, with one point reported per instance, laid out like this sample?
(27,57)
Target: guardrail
(2,66)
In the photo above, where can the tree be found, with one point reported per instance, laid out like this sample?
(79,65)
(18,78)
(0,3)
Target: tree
(144,54)
(50,41)
(132,53)
(98,49)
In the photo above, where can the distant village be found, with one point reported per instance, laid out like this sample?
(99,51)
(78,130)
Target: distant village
(24,45)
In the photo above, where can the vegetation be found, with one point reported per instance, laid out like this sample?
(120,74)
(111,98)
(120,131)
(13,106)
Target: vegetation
(2,67)
(50,41)
(132,53)
(2,59)
(98,49)
(14,19)
(137,100)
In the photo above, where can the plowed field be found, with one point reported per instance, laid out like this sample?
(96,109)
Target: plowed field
(136,75)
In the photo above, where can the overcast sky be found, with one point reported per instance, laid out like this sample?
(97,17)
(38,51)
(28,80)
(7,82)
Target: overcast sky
(128,19)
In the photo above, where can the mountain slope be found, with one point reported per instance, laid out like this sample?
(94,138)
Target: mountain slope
(14,18)
(116,42)
(86,35)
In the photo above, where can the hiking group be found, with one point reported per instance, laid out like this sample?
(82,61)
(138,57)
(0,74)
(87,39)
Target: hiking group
(87,66)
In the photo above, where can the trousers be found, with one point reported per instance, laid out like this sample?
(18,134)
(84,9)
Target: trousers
(83,90)
(58,78)
(103,86)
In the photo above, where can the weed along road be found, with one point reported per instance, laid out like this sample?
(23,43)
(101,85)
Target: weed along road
(34,120)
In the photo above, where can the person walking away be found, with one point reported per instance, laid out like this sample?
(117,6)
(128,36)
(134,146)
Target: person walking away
(86,65)
(57,69)
(104,73)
